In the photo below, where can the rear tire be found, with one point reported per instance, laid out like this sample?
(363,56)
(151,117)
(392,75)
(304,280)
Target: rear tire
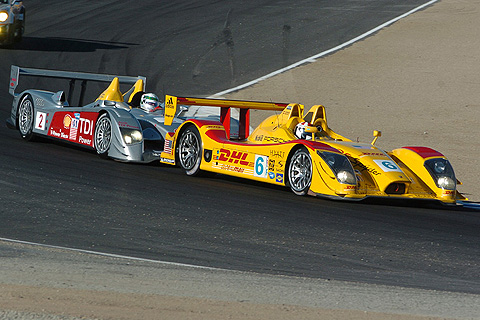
(103,135)
(300,172)
(19,30)
(190,151)
(25,114)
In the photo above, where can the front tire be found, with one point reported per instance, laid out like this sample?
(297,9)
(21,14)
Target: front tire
(190,151)
(300,172)
(103,135)
(19,30)
(26,117)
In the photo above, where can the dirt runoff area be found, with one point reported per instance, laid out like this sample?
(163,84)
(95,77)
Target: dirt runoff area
(416,81)
(45,283)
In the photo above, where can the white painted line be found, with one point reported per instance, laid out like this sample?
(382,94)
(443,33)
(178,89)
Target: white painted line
(111,255)
(321,54)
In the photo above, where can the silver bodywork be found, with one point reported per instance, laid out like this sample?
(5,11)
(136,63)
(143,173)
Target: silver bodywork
(55,117)
(12,21)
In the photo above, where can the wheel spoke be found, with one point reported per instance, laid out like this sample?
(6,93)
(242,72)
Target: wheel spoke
(103,135)
(26,116)
(189,149)
(300,172)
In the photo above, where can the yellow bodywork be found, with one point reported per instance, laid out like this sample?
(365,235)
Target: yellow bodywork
(139,86)
(112,93)
(265,154)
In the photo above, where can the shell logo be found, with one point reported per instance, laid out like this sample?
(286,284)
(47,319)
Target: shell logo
(67,121)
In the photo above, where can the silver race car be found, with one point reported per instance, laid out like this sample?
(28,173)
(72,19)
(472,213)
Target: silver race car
(12,21)
(113,124)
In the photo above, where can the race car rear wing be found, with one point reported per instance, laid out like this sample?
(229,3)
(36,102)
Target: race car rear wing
(16,71)
(171,103)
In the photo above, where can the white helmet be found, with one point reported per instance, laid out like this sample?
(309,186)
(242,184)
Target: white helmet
(149,102)
(300,131)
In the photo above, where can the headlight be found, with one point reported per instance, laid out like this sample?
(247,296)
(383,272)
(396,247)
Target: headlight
(131,136)
(442,173)
(446,183)
(3,16)
(340,165)
(439,167)
(346,177)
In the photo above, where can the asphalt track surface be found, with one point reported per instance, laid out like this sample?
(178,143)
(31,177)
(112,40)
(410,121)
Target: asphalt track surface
(64,196)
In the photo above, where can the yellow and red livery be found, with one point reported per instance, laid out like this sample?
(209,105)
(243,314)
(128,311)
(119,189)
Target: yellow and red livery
(328,165)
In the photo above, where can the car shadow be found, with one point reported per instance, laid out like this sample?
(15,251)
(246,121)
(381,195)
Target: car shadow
(57,44)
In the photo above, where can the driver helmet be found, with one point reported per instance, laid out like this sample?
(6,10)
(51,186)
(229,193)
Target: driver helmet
(150,102)
(300,131)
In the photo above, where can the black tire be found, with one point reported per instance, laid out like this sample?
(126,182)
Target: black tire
(103,135)
(10,37)
(26,117)
(18,33)
(19,29)
(300,172)
(190,151)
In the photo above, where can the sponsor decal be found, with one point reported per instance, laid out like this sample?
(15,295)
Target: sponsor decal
(279,177)
(40,120)
(448,192)
(273,139)
(210,127)
(271,165)
(60,134)
(280,165)
(73,125)
(361,167)
(271,175)
(388,165)
(261,166)
(76,127)
(85,141)
(228,167)
(13,82)
(277,154)
(235,157)
(373,154)
(171,102)
(259,138)
(124,124)
(232,168)
(167,160)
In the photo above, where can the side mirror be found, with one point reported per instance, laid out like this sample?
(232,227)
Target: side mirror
(181,110)
(59,99)
(376,134)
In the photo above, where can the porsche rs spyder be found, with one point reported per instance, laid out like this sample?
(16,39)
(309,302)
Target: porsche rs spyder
(319,162)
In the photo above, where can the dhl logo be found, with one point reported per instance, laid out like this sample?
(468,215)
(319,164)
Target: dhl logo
(235,157)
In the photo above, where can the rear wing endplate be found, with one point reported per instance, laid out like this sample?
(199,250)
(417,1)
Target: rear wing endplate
(17,71)
(171,103)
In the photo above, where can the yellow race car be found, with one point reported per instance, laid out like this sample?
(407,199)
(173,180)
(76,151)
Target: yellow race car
(301,152)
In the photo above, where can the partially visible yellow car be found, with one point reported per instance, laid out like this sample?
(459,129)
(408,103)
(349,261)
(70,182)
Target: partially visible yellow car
(12,21)
(324,164)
